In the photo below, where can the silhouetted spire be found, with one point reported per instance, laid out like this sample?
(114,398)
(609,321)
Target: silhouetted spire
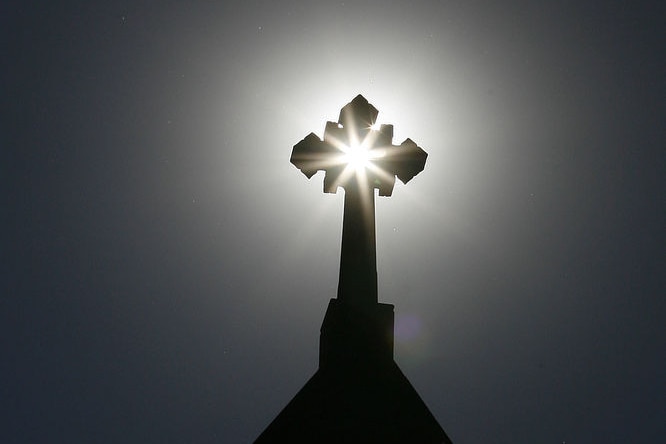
(358,395)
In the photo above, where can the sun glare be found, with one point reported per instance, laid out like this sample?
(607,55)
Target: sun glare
(360,157)
(357,156)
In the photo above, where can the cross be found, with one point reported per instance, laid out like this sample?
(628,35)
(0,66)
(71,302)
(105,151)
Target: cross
(359,157)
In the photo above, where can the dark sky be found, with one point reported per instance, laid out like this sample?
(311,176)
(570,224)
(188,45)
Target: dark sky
(166,269)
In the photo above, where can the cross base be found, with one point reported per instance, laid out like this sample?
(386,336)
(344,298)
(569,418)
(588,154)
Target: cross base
(356,336)
(358,395)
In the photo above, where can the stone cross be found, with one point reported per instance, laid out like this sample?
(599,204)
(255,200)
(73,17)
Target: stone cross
(358,157)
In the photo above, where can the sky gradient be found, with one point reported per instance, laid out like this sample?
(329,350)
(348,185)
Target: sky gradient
(166,269)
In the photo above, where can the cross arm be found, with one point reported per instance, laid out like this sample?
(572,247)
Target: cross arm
(311,155)
(405,160)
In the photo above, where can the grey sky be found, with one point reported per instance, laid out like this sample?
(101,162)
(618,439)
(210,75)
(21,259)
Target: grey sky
(167,269)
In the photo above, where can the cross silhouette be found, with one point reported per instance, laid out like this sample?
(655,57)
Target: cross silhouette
(359,158)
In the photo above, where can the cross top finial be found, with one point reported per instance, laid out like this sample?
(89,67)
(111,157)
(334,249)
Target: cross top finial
(354,148)
(358,114)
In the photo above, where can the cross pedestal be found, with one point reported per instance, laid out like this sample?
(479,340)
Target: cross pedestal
(358,395)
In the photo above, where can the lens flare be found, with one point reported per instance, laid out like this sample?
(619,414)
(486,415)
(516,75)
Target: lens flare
(358,156)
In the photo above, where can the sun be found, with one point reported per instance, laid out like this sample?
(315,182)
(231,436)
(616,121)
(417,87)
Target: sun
(357,156)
